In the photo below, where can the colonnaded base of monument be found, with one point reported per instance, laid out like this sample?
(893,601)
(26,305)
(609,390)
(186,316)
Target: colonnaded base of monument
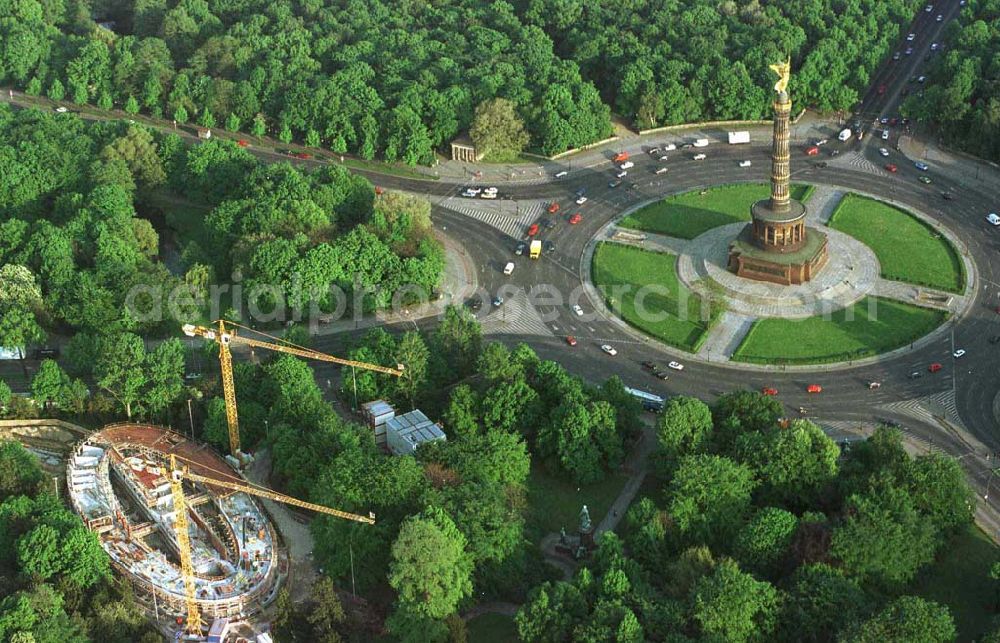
(849,272)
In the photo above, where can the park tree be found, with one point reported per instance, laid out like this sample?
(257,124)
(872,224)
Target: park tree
(551,613)
(119,369)
(734,606)
(20,474)
(412,353)
(821,602)
(131,105)
(206,118)
(906,619)
(709,496)
(19,299)
(883,541)
(762,543)
(940,491)
(259,126)
(684,428)
(430,567)
(796,465)
(743,412)
(327,615)
(50,383)
(497,130)
(165,368)
(180,114)
(233,122)
(461,416)
(138,150)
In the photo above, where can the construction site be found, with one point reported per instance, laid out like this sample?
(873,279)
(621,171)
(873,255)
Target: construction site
(120,482)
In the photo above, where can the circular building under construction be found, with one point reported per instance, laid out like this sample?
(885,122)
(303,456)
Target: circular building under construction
(120,482)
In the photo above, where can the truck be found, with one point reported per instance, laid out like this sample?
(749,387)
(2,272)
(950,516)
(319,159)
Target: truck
(844,135)
(620,156)
(735,138)
(536,249)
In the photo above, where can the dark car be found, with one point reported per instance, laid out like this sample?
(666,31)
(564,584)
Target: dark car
(548,224)
(995,339)
(520,249)
(549,246)
(663,375)
(474,303)
(947,196)
(45,353)
(820,165)
(650,365)
(581,191)
(915,375)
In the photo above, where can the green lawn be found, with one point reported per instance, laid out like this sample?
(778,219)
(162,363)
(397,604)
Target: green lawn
(673,315)
(492,628)
(556,502)
(871,326)
(959,579)
(908,249)
(690,214)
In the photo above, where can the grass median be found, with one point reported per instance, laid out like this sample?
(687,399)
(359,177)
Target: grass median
(643,287)
(907,248)
(688,215)
(871,326)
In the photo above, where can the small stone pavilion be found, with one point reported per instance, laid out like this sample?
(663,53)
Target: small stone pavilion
(777,246)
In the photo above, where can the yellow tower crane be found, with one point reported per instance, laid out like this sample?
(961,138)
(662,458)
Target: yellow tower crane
(181,525)
(225,336)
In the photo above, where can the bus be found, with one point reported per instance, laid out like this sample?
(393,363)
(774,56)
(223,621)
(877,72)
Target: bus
(649,401)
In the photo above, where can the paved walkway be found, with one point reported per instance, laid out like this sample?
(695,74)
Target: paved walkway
(726,336)
(823,202)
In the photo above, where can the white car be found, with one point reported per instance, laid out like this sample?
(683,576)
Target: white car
(654,151)
(578,310)
(934,46)
(699,157)
(958,353)
(488,195)
(669,147)
(581,200)
(677,366)
(560,174)
(745,164)
(509,268)
(61,109)
(883,151)
(939,18)
(662,170)
(626,165)
(885,135)
(664,158)
(607,348)
(473,191)
(993,218)
(622,174)
(490,189)
(911,37)
(822,141)
(929,8)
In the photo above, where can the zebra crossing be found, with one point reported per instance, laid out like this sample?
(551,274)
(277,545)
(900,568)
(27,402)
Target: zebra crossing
(515,317)
(858,160)
(929,408)
(512,221)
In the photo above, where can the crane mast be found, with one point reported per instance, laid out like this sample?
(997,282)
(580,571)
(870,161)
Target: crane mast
(225,336)
(181,525)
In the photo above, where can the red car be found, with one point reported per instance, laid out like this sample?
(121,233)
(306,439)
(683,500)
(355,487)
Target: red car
(812,151)
(379,190)
(571,340)
(893,121)
(814,388)
(243,143)
(767,390)
(881,89)
(575,219)
(934,368)
(533,230)
(620,156)
(303,155)
(553,207)
(891,167)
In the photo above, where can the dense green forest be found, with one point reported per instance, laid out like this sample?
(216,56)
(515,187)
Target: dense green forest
(963,94)
(399,80)
(764,530)
(55,580)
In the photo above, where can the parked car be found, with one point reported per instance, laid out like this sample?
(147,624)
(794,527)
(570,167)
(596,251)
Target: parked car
(581,200)
(891,167)
(883,151)
(745,163)
(614,184)
(699,157)
(947,196)
(911,37)
(669,147)
(885,135)
(549,246)
(993,218)
(577,310)
(553,208)
(626,165)
(812,151)
(509,268)
(662,170)
(920,165)
(575,219)
(560,174)
(926,180)
(243,143)
(607,348)
(498,301)
(959,353)
(621,174)
(521,248)
(571,340)
(677,366)
(532,229)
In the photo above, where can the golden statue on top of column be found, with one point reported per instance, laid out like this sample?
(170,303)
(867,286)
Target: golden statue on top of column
(784,71)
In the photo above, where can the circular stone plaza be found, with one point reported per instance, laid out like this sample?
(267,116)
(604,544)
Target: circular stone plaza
(119,483)
(822,263)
